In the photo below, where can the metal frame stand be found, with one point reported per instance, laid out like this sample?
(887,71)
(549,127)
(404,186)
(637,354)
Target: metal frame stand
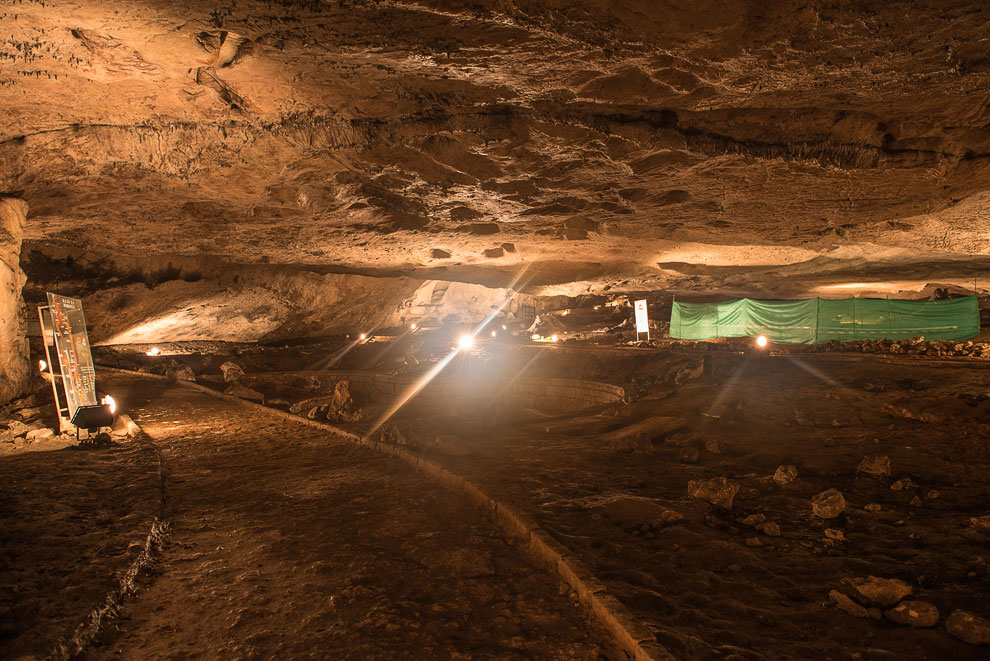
(48,339)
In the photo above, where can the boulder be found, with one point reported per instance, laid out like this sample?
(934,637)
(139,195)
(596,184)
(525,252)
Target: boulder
(437,253)
(180,373)
(492,253)
(718,491)
(847,605)
(42,434)
(828,504)
(785,475)
(877,466)
(231,372)
(969,628)
(876,591)
(245,393)
(913,614)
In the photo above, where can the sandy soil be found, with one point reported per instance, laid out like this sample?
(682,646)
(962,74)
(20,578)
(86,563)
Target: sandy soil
(286,543)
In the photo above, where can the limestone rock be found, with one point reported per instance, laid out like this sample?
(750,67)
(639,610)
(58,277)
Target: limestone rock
(42,434)
(981,523)
(828,504)
(785,475)
(877,466)
(770,529)
(969,628)
(492,253)
(437,253)
(181,373)
(847,605)
(913,614)
(13,347)
(876,591)
(231,372)
(245,393)
(718,491)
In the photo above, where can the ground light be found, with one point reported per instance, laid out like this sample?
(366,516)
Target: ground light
(412,326)
(363,336)
(109,401)
(466,341)
(761,341)
(153,351)
(554,338)
(42,365)
(494,333)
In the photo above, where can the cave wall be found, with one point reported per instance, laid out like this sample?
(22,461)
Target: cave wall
(13,346)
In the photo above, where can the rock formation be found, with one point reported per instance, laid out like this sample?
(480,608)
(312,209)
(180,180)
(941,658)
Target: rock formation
(13,346)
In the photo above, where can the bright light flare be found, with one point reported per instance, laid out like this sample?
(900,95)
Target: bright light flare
(535,336)
(465,341)
(494,333)
(412,326)
(554,338)
(42,365)
(761,341)
(153,351)
(111,402)
(363,336)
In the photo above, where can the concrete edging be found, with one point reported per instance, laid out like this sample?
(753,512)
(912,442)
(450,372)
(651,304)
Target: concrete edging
(546,553)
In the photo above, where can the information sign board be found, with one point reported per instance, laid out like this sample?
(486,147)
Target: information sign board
(74,355)
(642,320)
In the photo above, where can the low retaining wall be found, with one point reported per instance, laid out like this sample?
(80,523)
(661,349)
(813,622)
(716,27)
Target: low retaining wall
(558,395)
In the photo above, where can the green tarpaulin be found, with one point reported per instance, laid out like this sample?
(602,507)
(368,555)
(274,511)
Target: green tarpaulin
(819,320)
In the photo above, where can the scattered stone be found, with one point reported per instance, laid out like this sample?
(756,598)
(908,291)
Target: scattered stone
(508,247)
(785,475)
(847,605)
(231,372)
(36,435)
(754,520)
(913,614)
(717,491)
(712,446)
(906,483)
(437,253)
(670,517)
(916,502)
(836,535)
(494,252)
(770,529)
(689,455)
(969,628)
(828,504)
(981,523)
(734,568)
(877,466)
(181,373)
(753,541)
(876,591)
(872,507)
(245,393)
(932,494)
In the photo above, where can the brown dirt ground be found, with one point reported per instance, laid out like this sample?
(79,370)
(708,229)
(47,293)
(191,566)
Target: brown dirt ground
(287,543)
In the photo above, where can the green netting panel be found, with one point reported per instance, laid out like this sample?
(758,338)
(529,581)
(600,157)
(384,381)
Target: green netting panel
(870,319)
(819,320)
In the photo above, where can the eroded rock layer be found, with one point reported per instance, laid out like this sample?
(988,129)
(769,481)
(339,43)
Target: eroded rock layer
(13,346)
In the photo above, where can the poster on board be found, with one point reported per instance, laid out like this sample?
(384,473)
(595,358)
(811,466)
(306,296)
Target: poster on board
(74,355)
(642,320)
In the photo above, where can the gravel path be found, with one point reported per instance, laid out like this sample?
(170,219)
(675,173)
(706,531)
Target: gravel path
(287,543)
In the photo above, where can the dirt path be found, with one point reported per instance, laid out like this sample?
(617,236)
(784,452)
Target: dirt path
(286,543)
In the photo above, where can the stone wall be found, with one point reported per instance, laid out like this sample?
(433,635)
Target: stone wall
(13,346)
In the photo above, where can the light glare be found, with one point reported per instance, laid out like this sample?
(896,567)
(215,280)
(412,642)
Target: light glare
(554,338)
(153,351)
(466,341)
(113,404)
(42,365)
(494,333)
(761,341)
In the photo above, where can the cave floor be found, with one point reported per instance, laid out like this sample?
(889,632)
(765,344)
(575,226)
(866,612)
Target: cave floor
(287,543)
(712,585)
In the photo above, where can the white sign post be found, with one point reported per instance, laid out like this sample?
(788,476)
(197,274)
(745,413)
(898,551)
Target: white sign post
(642,320)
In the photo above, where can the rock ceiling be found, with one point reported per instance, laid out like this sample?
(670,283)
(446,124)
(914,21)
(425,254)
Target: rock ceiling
(732,146)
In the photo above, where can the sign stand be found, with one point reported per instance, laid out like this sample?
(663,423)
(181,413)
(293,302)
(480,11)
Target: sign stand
(63,331)
(642,320)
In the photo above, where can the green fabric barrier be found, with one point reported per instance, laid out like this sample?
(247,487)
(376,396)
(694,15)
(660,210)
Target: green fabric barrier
(819,320)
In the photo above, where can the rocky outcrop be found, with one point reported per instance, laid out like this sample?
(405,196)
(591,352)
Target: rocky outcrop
(13,346)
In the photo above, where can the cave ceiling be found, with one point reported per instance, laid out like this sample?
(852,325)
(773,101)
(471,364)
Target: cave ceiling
(735,146)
